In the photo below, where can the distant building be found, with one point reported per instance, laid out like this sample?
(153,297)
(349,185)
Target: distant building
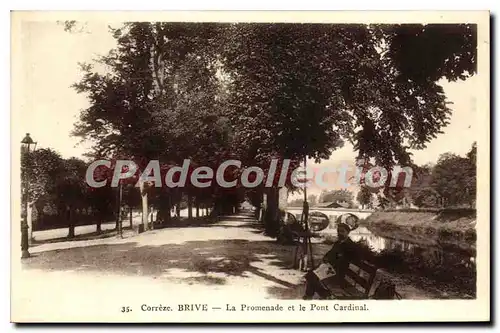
(332,205)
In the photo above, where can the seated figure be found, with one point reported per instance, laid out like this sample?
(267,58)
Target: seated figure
(336,260)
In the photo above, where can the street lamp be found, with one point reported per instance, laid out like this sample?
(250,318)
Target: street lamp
(26,144)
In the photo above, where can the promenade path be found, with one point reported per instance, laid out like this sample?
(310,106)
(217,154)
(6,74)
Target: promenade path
(227,261)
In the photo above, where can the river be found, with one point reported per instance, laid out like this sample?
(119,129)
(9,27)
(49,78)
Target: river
(431,249)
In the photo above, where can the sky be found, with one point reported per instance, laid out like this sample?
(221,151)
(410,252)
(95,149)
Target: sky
(50,58)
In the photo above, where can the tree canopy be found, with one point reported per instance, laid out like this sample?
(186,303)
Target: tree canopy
(210,91)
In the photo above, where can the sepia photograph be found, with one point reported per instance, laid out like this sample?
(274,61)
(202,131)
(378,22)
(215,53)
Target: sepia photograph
(239,167)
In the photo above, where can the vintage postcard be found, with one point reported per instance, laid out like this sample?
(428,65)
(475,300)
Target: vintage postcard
(240,167)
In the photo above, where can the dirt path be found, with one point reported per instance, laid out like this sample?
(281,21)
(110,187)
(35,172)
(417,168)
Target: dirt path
(228,259)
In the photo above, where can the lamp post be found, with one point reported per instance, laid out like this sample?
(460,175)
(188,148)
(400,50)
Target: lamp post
(26,144)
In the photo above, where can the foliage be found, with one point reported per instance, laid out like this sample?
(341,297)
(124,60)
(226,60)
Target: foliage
(60,183)
(42,167)
(426,197)
(158,100)
(70,185)
(296,203)
(421,191)
(427,53)
(460,211)
(365,197)
(451,182)
(383,202)
(254,92)
(454,178)
(338,196)
(312,199)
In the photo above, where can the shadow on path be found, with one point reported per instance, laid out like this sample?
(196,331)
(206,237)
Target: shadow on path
(189,262)
(240,253)
(81,237)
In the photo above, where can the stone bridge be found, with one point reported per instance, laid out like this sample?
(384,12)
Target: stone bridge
(332,213)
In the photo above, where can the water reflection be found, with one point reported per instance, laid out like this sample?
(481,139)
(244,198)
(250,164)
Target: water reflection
(433,251)
(376,243)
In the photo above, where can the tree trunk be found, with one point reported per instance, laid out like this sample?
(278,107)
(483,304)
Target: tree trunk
(164,210)
(176,200)
(40,215)
(178,210)
(118,207)
(71,232)
(257,212)
(130,217)
(98,228)
(219,208)
(169,211)
(272,212)
(152,225)
(144,201)
(190,206)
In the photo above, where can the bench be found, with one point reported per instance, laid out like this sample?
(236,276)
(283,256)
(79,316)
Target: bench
(355,284)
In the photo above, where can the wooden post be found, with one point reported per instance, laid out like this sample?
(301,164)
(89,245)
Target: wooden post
(307,239)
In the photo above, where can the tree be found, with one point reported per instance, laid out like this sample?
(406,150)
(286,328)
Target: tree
(103,202)
(118,119)
(312,199)
(451,180)
(472,154)
(255,198)
(71,191)
(299,90)
(262,91)
(383,202)
(428,52)
(421,191)
(131,198)
(158,100)
(296,203)
(43,167)
(266,70)
(364,197)
(427,197)
(471,175)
